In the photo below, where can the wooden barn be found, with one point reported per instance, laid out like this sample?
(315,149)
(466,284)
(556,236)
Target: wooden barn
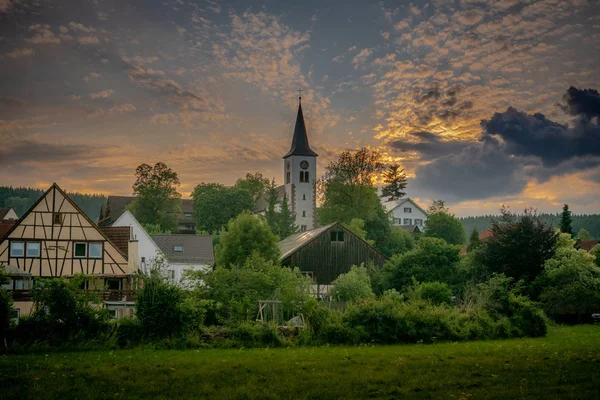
(325,253)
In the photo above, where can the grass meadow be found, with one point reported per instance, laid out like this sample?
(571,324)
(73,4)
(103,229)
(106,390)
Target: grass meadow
(563,365)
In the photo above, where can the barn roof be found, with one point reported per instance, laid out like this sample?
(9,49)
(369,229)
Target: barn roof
(293,243)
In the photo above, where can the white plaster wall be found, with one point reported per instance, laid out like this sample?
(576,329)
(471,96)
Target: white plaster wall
(179,269)
(146,247)
(302,188)
(415,213)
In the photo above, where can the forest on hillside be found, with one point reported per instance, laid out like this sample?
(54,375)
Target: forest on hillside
(590,222)
(21,199)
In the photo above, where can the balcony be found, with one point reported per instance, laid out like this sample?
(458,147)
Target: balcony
(111,296)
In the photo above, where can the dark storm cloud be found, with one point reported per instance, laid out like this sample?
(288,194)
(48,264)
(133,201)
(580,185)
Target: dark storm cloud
(28,151)
(536,135)
(479,171)
(430,146)
(582,102)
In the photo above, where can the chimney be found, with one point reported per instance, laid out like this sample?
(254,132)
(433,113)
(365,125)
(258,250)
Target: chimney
(133,256)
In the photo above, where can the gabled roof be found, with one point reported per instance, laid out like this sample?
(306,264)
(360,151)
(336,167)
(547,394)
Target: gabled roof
(5,227)
(79,210)
(300,145)
(128,213)
(197,249)
(116,205)
(119,235)
(587,245)
(4,211)
(393,204)
(263,201)
(292,243)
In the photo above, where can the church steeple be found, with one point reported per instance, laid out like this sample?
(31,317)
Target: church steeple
(300,145)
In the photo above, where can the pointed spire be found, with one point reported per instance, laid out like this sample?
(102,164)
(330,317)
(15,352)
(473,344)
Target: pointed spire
(300,145)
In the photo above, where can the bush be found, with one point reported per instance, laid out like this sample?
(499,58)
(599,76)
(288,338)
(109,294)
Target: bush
(435,292)
(6,306)
(159,308)
(352,286)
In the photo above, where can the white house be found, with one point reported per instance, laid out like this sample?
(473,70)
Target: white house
(8,214)
(148,250)
(406,214)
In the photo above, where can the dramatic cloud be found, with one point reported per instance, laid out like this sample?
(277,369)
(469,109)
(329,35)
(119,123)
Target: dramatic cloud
(430,146)
(16,53)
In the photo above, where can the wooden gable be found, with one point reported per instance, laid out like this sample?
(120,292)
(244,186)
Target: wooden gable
(60,227)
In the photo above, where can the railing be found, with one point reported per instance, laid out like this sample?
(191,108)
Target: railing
(105,295)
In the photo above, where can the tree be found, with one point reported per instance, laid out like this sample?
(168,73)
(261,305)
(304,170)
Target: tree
(356,226)
(271,213)
(156,198)
(6,307)
(244,236)
(395,180)
(566,220)
(474,241)
(255,183)
(352,286)
(215,205)
(445,226)
(583,234)
(571,281)
(432,260)
(518,246)
(438,206)
(286,220)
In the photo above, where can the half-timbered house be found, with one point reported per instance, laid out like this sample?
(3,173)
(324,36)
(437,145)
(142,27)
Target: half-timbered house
(55,238)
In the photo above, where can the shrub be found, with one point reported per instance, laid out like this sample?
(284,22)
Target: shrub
(6,306)
(159,307)
(352,286)
(435,292)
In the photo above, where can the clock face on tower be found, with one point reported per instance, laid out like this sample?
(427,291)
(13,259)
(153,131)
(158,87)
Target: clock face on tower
(304,164)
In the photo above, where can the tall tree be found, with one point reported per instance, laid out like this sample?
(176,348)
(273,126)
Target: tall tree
(271,212)
(474,241)
(438,206)
(246,235)
(255,183)
(395,180)
(566,220)
(441,224)
(286,220)
(215,205)
(583,234)
(519,246)
(156,198)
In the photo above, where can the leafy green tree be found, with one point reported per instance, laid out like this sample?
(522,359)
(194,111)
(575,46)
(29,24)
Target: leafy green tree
(445,226)
(154,229)
(474,241)
(566,220)
(518,246)
(156,198)
(271,214)
(215,205)
(6,307)
(395,180)
(583,234)
(435,292)
(255,183)
(596,253)
(286,220)
(432,260)
(357,226)
(352,286)
(237,288)
(398,241)
(571,281)
(438,206)
(245,235)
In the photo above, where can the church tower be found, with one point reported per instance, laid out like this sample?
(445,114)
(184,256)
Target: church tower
(300,174)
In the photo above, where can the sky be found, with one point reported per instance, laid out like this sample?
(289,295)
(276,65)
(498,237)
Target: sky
(483,103)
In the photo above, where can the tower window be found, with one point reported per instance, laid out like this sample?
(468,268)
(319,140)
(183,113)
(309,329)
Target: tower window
(287,177)
(303,176)
(304,213)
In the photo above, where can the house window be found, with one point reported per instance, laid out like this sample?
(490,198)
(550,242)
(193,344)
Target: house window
(17,249)
(303,176)
(15,314)
(171,275)
(188,214)
(302,228)
(95,250)
(303,197)
(80,250)
(308,274)
(304,213)
(178,249)
(407,210)
(33,249)
(113,284)
(337,236)
(57,218)
(287,177)
(407,221)
(418,222)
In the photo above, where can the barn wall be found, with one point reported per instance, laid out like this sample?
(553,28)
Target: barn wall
(327,259)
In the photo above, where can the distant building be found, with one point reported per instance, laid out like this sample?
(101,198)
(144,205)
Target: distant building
(55,238)
(185,252)
(406,214)
(325,253)
(8,214)
(115,206)
(299,176)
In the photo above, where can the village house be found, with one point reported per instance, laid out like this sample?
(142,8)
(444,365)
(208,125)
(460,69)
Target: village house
(8,214)
(55,238)
(407,214)
(325,253)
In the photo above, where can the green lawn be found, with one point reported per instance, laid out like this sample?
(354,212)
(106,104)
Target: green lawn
(564,365)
